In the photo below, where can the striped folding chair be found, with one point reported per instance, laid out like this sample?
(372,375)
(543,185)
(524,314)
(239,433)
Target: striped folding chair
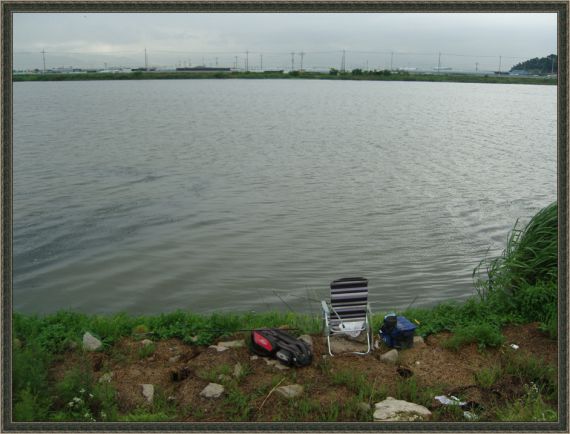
(349,311)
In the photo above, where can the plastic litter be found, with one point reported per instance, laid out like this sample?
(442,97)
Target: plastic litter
(449,401)
(514,346)
(352,328)
(470,416)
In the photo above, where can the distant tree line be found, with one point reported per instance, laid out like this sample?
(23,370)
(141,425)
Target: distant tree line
(544,65)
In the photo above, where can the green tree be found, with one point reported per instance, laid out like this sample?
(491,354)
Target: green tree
(544,65)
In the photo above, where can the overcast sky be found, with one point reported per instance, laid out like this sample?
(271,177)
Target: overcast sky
(466,41)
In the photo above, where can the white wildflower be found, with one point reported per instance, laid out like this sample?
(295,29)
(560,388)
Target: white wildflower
(82,390)
(70,403)
(90,395)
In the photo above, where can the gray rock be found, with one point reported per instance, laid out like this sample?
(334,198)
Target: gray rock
(307,339)
(148,392)
(277,364)
(106,377)
(290,391)
(174,359)
(91,343)
(212,390)
(419,342)
(218,348)
(232,344)
(146,342)
(238,370)
(396,410)
(390,357)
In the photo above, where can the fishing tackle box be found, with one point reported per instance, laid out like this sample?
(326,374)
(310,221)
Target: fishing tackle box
(397,331)
(282,346)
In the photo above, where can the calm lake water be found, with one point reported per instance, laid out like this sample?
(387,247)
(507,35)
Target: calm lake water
(240,195)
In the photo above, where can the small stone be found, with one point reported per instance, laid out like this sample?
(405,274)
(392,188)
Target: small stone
(212,390)
(218,348)
(390,357)
(174,359)
(290,391)
(419,341)
(232,344)
(364,406)
(150,359)
(90,342)
(171,398)
(376,344)
(173,349)
(417,362)
(146,342)
(307,339)
(224,377)
(238,369)
(106,377)
(396,410)
(148,392)
(194,339)
(253,358)
(275,363)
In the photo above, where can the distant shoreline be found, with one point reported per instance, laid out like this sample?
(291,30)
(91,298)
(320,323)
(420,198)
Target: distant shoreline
(379,76)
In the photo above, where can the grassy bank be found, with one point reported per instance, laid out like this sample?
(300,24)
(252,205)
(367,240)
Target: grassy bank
(54,379)
(377,76)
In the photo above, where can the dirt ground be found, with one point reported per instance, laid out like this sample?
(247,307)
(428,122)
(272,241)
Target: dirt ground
(179,372)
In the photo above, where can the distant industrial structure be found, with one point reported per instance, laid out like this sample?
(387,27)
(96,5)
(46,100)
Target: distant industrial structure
(203,69)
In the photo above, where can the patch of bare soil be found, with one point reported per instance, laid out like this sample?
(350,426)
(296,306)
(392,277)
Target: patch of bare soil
(179,372)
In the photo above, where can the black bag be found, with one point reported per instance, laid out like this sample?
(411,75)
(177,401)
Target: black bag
(282,346)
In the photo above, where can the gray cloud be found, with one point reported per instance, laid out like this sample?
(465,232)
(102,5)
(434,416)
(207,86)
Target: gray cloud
(87,39)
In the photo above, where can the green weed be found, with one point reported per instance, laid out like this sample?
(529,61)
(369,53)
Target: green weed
(485,335)
(530,408)
(528,369)
(141,415)
(146,351)
(30,407)
(487,377)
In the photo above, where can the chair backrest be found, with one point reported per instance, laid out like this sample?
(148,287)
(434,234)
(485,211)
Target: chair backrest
(349,298)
